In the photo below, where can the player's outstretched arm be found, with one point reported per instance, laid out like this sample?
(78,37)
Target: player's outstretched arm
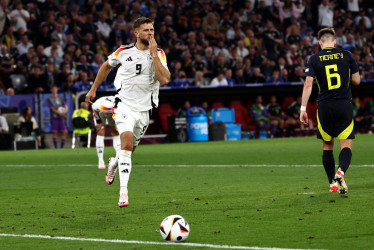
(308,85)
(100,77)
(162,73)
(355,78)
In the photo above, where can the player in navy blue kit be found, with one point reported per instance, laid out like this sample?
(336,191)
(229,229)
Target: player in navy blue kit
(334,70)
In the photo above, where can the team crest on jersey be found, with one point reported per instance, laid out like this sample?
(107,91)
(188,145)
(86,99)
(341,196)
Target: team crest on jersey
(149,58)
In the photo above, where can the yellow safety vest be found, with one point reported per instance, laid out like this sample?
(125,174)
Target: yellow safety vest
(85,114)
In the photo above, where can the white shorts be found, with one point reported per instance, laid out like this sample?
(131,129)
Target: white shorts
(104,118)
(128,120)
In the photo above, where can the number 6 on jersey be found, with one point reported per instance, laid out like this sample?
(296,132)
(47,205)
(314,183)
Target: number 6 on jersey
(329,75)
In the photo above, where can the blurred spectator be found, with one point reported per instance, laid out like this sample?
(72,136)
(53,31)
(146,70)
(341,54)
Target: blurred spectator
(183,110)
(259,115)
(33,63)
(51,76)
(54,44)
(55,58)
(103,28)
(96,64)
(9,37)
(276,116)
(250,39)
(37,81)
(59,35)
(239,77)
(24,45)
(228,77)
(19,17)
(58,110)
(340,37)
(272,39)
(257,76)
(4,18)
(293,112)
(24,60)
(241,50)
(5,137)
(43,37)
(68,85)
(298,75)
(198,64)
(293,35)
(85,50)
(83,84)
(275,78)
(219,80)
(199,79)
(84,66)
(10,91)
(325,14)
(368,68)
(353,6)
(281,64)
(26,116)
(182,80)
(6,65)
(350,44)
(221,50)
(361,16)
(288,9)
(221,65)
(284,75)
(43,59)
(267,67)
(210,26)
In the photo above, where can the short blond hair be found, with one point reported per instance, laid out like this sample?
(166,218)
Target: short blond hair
(326,35)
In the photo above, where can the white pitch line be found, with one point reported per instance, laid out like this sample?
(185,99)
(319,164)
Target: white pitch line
(182,166)
(143,242)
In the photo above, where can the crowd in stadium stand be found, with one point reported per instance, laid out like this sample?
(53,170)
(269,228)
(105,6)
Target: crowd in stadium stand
(217,42)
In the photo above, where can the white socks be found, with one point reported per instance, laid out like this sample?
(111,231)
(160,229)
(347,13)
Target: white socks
(100,148)
(124,167)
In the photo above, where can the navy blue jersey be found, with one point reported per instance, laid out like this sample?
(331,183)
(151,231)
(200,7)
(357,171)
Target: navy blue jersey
(332,68)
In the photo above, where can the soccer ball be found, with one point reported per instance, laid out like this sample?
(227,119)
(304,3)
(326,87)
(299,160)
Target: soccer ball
(61,110)
(174,228)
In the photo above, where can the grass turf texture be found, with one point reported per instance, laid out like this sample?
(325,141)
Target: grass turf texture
(286,207)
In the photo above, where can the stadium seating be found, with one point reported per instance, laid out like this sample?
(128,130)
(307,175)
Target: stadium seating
(241,114)
(217,104)
(287,102)
(164,111)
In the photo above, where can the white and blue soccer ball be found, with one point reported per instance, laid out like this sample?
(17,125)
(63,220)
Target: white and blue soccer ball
(174,228)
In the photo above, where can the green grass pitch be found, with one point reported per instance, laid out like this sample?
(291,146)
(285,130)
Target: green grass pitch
(268,193)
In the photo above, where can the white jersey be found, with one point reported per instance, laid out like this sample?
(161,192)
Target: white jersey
(136,82)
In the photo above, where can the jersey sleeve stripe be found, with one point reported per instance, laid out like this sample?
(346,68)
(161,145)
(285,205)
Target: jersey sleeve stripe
(163,56)
(115,54)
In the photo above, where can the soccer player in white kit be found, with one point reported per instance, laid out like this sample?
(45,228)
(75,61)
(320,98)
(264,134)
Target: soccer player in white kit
(143,69)
(102,110)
